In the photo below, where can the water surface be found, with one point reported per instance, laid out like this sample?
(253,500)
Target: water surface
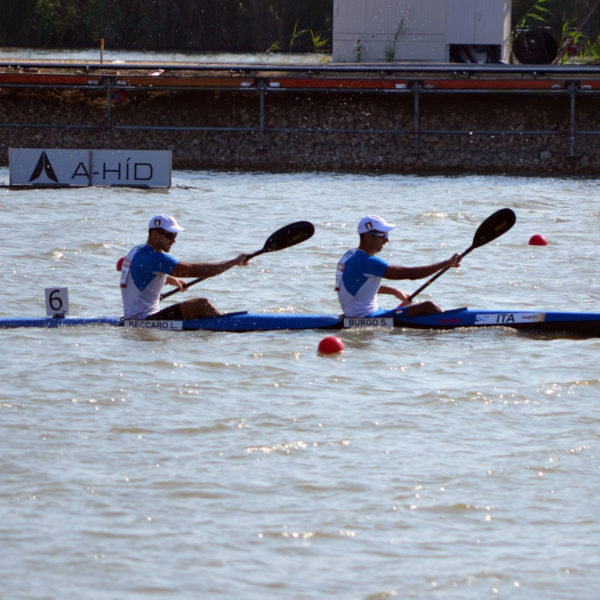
(146,464)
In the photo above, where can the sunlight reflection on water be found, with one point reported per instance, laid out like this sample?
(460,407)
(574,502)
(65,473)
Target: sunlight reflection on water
(148,463)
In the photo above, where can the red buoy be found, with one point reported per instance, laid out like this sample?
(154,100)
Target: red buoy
(538,240)
(331,345)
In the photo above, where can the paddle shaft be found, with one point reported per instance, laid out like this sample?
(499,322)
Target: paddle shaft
(438,274)
(493,227)
(287,236)
(199,279)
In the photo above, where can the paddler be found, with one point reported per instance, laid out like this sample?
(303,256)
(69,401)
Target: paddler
(359,273)
(148,267)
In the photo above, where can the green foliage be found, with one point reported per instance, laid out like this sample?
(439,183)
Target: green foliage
(589,51)
(537,14)
(199,25)
(57,22)
(274,47)
(574,23)
(296,34)
(319,43)
(390,48)
(556,14)
(358,49)
(576,46)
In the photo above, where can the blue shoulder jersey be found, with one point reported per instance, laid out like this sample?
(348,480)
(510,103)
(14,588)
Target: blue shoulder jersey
(142,278)
(358,277)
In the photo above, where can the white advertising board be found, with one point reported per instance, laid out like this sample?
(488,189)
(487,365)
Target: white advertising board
(36,167)
(139,168)
(39,167)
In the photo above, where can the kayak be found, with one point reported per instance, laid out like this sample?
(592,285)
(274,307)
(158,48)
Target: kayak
(576,323)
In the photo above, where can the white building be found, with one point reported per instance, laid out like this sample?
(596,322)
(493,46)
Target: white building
(421,30)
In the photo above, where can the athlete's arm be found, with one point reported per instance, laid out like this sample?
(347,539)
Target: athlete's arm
(185,269)
(398,272)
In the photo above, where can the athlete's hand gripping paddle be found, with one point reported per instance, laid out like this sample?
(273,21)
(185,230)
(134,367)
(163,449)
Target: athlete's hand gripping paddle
(493,227)
(287,236)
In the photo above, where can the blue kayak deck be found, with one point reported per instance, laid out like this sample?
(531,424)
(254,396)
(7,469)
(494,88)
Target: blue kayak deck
(580,323)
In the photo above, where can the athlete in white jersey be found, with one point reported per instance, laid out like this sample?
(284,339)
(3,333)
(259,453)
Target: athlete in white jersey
(359,273)
(148,267)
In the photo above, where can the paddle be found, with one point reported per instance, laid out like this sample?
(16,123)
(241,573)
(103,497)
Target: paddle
(287,236)
(493,227)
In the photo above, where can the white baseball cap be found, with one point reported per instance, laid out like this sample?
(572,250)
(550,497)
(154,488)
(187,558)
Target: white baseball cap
(374,223)
(165,222)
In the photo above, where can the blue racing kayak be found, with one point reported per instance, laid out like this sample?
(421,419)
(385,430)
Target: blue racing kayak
(576,323)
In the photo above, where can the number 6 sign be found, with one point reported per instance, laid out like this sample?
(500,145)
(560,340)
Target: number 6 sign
(57,302)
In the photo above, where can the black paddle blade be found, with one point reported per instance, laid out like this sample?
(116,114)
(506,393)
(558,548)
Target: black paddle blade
(494,226)
(290,235)
(287,236)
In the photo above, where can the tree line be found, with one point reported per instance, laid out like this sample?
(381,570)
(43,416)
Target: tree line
(228,25)
(198,25)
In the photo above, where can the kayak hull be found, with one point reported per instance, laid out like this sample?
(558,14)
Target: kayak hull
(576,323)
(8,323)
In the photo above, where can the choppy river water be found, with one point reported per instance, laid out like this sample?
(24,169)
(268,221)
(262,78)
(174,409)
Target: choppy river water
(145,464)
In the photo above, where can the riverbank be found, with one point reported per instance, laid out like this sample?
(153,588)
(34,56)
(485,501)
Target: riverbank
(328,118)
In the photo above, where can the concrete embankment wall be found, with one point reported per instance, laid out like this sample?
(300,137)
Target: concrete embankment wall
(476,133)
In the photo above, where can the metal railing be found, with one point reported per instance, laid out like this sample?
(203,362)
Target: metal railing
(266,79)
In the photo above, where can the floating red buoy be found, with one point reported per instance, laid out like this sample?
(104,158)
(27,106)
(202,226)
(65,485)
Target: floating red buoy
(331,345)
(538,240)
